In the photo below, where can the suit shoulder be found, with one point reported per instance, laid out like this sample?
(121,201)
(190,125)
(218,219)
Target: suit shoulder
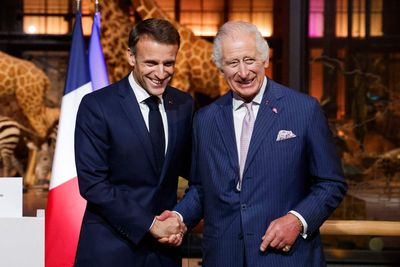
(179,93)
(207,112)
(291,94)
(103,93)
(110,94)
(180,96)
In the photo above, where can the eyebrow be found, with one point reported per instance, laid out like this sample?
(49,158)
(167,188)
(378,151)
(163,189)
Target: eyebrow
(152,61)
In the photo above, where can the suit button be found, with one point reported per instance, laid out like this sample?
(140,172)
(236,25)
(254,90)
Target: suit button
(240,236)
(243,206)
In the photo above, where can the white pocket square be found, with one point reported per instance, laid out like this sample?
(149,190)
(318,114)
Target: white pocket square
(284,134)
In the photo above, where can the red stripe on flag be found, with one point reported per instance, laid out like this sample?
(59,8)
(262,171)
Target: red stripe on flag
(64,212)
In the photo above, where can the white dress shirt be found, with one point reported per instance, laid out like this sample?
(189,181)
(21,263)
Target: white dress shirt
(141,96)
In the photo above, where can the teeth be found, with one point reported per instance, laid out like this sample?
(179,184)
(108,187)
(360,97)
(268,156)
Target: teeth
(156,81)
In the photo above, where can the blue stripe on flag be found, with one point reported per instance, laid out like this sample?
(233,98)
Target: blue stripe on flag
(97,65)
(78,67)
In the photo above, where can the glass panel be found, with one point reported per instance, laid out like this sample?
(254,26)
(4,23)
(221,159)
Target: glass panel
(360,90)
(376,18)
(168,6)
(57,6)
(264,22)
(316,74)
(202,16)
(341,18)
(245,16)
(358,18)
(48,16)
(269,70)
(258,12)
(341,92)
(316,18)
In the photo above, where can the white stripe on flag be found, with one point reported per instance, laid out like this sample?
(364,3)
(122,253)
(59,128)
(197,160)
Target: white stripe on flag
(64,158)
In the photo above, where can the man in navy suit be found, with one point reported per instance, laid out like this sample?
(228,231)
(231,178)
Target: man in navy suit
(265,174)
(124,179)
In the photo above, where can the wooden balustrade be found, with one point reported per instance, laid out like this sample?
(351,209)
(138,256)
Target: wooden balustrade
(350,227)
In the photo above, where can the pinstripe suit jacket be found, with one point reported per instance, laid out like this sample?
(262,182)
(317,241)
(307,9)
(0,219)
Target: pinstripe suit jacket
(302,174)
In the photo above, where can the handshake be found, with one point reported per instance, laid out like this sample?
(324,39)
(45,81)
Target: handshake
(168,228)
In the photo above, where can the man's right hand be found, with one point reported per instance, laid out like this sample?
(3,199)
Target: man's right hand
(168,228)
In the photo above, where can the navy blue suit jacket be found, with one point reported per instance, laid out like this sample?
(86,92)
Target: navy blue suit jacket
(118,177)
(302,174)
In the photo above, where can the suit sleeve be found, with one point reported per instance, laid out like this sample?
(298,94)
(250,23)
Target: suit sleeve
(92,147)
(327,181)
(191,205)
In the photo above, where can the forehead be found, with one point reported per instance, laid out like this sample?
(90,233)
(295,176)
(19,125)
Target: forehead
(150,48)
(239,46)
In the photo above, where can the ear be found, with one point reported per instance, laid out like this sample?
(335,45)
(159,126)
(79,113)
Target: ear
(266,63)
(131,57)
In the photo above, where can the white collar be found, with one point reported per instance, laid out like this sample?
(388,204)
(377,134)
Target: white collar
(237,101)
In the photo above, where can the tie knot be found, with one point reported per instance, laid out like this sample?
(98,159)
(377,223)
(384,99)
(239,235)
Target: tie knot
(152,102)
(248,106)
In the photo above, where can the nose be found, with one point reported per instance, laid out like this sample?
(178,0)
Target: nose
(161,72)
(243,70)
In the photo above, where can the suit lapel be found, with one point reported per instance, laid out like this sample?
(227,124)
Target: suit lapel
(135,117)
(224,121)
(268,113)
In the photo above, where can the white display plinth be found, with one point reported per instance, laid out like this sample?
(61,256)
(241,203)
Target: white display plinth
(21,238)
(22,241)
(10,196)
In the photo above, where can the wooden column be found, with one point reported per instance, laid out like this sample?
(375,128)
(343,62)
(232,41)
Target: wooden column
(298,48)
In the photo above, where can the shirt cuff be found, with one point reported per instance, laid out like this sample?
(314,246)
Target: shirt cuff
(180,215)
(154,220)
(303,222)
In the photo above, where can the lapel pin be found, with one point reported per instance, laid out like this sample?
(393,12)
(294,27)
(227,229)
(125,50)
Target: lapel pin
(274,110)
(170,102)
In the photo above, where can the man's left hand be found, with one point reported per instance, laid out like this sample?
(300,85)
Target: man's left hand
(281,233)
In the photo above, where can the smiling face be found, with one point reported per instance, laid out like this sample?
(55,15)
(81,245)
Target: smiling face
(242,67)
(153,64)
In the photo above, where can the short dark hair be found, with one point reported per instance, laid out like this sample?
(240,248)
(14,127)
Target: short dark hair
(160,30)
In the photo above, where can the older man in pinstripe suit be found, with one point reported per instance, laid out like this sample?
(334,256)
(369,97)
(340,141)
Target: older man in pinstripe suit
(265,174)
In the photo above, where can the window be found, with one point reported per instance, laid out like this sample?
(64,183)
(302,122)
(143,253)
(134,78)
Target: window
(341,18)
(168,6)
(203,17)
(258,12)
(51,17)
(358,18)
(376,18)
(316,18)
(45,17)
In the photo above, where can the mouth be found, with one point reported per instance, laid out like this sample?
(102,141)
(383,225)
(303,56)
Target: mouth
(246,82)
(159,82)
(156,81)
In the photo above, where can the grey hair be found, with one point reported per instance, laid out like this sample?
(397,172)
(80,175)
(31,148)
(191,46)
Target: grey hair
(232,27)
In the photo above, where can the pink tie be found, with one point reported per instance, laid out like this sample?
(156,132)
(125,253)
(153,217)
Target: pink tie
(247,129)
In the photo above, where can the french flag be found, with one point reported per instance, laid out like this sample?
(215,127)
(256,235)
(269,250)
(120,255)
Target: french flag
(97,65)
(65,206)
